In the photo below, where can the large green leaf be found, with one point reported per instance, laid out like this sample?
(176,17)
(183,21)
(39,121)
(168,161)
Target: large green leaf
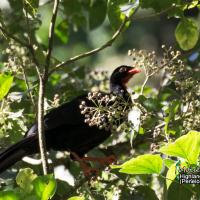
(5,84)
(187,147)
(97,13)
(45,187)
(187,34)
(144,164)
(24,179)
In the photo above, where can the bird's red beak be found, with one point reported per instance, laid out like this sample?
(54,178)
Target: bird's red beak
(134,71)
(131,72)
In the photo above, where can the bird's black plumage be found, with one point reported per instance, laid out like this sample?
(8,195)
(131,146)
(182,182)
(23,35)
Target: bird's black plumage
(65,129)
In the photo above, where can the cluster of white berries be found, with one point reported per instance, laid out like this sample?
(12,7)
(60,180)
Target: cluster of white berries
(17,58)
(106,111)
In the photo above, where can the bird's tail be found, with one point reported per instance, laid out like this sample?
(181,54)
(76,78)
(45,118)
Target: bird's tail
(17,151)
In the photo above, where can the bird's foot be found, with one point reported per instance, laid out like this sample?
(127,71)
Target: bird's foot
(90,172)
(87,170)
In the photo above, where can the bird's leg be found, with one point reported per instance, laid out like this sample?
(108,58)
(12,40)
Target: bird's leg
(101,160)
(87,170)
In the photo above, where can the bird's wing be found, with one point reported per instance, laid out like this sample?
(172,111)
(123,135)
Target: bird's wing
(66,114)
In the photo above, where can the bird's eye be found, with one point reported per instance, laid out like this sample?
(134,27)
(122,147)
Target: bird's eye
(123,69)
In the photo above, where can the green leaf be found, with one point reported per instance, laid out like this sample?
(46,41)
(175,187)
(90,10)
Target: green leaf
(187,147)
(45,187)
(5,84)
(50,189)
(99,10)
(171,175)
(61,31)
(168,162)
(193,4)
(25,178)
(179,192)
(76,198)
(187,34)
(9,195)
(143,192)
(144,164)
(117,13)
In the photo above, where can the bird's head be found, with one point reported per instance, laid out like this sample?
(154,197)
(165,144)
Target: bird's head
(121,75)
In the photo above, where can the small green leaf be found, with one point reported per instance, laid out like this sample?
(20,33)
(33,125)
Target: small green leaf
(187,34)
(171,175)
(61,31)
(144,164)
(115,16)
(187,147)
(25,178)
(9,195)
(118,9)
(49,190)
(193,4)
(76,198)
(45,187)
(5,84)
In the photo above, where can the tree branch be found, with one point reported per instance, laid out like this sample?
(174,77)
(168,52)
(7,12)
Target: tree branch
(42,82)
(41,136)
(94,51)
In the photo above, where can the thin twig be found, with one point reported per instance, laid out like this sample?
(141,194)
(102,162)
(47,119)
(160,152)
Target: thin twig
(51,37)
(94,51)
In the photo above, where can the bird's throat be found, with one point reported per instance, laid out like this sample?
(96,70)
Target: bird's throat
(119,90)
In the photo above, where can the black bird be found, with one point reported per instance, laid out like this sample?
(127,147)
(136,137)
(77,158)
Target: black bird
(65,129)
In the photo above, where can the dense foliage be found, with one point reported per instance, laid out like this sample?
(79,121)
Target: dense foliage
(163,132)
